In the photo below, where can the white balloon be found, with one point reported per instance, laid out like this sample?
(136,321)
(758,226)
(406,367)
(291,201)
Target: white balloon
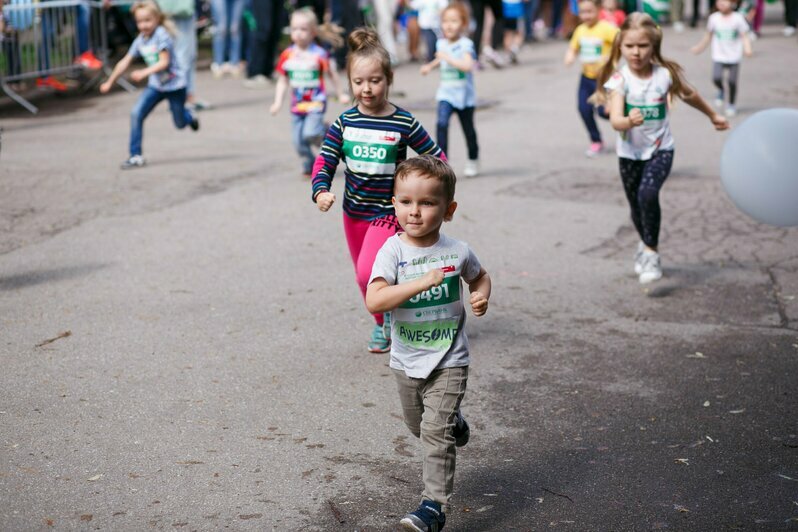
(759,166)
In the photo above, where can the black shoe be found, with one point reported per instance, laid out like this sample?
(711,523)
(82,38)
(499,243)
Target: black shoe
(428,517)
(461,431)
(194,124)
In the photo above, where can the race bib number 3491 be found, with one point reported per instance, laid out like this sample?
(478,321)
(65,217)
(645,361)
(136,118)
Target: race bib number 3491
(447,292)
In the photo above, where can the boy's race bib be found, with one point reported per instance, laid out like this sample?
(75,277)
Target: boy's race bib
(370,151)
(727,34)
(303,76)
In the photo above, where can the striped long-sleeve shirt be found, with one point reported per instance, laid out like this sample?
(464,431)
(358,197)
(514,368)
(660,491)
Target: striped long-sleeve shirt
(371,147)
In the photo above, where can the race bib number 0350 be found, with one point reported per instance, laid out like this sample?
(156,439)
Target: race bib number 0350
(370,151)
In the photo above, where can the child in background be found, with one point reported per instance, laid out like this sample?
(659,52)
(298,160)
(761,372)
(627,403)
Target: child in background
(639,94)
(372,138)
(417,275)
(302,67)
(591,42)
(728,32)
(429,20)
(610,13)
(456,57)
(166,80)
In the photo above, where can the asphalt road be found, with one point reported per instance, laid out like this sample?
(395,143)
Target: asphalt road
(208,370)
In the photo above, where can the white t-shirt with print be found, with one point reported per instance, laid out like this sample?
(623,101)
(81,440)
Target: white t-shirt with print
(428,331)
(651,97)
(727,37)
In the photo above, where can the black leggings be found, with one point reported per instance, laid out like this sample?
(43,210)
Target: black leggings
(717,78)
(642,181)
(497,33)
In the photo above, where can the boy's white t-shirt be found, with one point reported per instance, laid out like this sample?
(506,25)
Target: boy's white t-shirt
(727,36)
(651,97)
(428,331)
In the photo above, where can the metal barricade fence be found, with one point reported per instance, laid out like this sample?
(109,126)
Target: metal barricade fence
(42,38)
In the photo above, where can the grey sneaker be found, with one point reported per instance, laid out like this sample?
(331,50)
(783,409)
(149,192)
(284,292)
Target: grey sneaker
(651,269)
(135,161)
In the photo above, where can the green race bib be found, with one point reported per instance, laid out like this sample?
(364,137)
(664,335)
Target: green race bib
(303,78)
(649,112)
(437,335)
(371,151)
(727,35)
(452,76)
(447,292)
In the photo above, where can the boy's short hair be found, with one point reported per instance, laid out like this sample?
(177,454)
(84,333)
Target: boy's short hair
(429,166)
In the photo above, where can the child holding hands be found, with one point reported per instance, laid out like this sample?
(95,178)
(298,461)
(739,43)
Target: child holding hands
(417,275)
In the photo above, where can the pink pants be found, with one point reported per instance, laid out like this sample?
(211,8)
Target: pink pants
(365,238)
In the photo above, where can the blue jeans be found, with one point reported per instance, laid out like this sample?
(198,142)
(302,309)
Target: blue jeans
(305,131)
(227,24)
(466,116)
(186,49)
(587,87)
(530,13)
(146,103)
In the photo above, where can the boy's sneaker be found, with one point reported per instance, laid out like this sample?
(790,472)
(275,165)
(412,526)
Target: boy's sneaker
(594,149)
(135,161)
(471,168)
(194,124)
(731,111)
(639,258)
(428,517)
(719,100)
(386,326)
(651,270)
(461,432)
(378,342)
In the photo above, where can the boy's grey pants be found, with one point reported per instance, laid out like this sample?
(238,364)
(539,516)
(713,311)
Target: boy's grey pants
(429,407)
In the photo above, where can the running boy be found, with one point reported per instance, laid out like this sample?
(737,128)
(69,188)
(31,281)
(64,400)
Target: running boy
(417,275)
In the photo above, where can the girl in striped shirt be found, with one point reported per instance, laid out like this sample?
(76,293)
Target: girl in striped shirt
(372,138)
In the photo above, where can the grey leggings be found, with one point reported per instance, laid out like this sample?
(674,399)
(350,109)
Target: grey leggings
(717,78)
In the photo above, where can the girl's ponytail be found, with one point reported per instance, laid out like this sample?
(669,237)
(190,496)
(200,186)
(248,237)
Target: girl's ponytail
(365,43)
(600,96)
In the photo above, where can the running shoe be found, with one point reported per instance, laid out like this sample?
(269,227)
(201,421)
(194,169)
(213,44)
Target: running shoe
(651,271)
(594,149)
(378,343)
(51,83)
(461,432)
(471,168)
(428,517)
(719,100)
(731,111)
(88,61)
(135,161)
(194,124)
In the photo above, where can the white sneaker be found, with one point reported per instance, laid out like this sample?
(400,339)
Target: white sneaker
(257,82)
(134,161)
(678,26)
(788,31)
(731,111)
(639,258)
(719,101)
(651,270)
(217,71)
(471,168)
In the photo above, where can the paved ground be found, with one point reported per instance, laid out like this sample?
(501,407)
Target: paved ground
(215,375)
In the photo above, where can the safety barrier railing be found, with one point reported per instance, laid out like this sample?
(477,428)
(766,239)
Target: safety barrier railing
(44,38)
